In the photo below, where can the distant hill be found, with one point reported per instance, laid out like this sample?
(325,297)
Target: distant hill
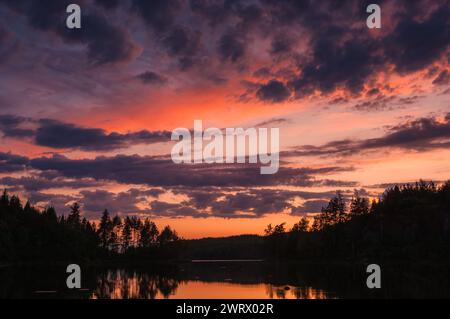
(233,247)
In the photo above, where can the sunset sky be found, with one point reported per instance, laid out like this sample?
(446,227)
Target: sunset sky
(86,114)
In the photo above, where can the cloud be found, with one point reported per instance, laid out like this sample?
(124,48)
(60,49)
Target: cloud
(335,65)
(106,43)
(385,102)
(11,126)
(201,202)
(157,171)
(310,206)
(274,92)
(281,44)
(183,43)
(332,50)
(422,134)
(60,202)
(414,45)
(150,77)
(12,163)
(60,135)
(38,182)
(443,78)
(159,14)
(231,46)
(254,203)
(108,4)
(273,122)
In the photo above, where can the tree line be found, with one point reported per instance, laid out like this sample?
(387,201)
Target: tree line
(30,234)
(406,222)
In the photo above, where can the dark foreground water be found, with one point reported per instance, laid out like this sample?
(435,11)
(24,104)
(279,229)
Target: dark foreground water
(227,279)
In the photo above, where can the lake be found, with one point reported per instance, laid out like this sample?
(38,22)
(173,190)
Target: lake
(226,279)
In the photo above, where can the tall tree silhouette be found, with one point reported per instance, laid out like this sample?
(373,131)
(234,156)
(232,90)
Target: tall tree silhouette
(149,234)
(74,218)
(126,233)
(105,229)
(359,205)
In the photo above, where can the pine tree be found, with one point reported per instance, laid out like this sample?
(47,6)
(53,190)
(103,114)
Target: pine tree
(105,228)
(148,234)
(74,218)
(126,233)
(301,226)
(359,205)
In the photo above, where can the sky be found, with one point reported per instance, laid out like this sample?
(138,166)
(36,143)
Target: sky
(86,114)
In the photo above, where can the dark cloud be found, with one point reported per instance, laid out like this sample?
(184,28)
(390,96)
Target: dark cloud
(281,44)
(254,203)
(342,55)
(419,135)
(414,45)
(60,202)
(231,46)
(106,42)
(383,102)
(263,72)
(337,51)
(94,202)
(310,206)
(59,135)
(38,183)
(443,78)
(202,203)
(159,14)
(274,92)
(373,92)
(108,4)
(250,15)
(12,163)
(9,45)
(380,102)
(175,210)
(156,171)
(10,126)
(335,65)
(150,77)
(183,43)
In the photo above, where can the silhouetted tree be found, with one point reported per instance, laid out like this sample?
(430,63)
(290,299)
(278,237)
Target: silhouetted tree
(115,233)
(167,235)
(74,218)
(301,226)
(126,233)
(334,213)
(359,205)
(149,234)
(105,229)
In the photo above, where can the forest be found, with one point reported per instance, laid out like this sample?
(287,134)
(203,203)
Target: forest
(408,222)
(28,234)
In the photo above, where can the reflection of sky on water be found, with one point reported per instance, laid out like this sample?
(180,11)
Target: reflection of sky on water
(119,284)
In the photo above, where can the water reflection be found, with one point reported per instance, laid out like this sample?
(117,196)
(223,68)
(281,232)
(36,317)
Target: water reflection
(123,284)
(227,280)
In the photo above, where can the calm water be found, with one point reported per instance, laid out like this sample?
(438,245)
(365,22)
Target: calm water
(225,279)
